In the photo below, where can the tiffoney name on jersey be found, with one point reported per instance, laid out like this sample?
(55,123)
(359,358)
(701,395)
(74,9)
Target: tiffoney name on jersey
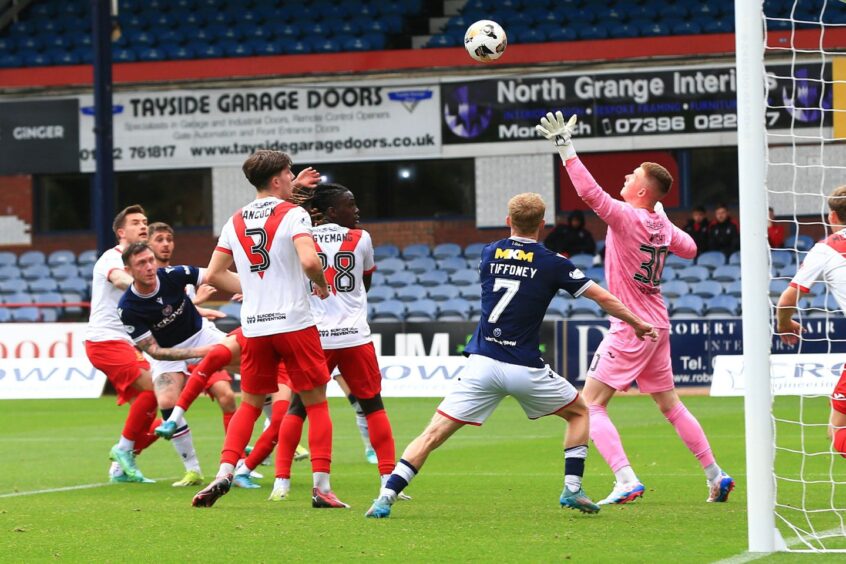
(498,268)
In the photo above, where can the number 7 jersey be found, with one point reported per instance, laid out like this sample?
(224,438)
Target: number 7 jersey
(347,255)
(260,237)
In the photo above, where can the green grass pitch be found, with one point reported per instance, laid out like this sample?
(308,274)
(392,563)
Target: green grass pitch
(490,494)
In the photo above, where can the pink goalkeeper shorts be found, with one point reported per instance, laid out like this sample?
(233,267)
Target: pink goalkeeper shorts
(622,359)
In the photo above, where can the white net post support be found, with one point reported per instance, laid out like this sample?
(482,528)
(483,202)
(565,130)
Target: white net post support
(751,154)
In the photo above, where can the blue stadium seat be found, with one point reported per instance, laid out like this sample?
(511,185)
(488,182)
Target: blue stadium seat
(400,279)
(733,288)
(265,47)
(433,278)
(446,250)
(824,302)
(35,272)
(800,242)
(669,273)
(385,251)
(411,293)
(441,40)
(585,306)
(389,310)
(236,49)
(727,273)
(43,285)
(8,258)
(19,298)
(390,265)
(37,60)
(123,55)
(421,264)
(356,44)
(675,288)
(689,304)
(582,261)
(677,262)
(380,294)
(559,308)
(50,297)
(465,277)
(415,251)
(529,35)
(707,289)
(72,298)
(723,305)
(61,257)
(721,25)
(451,264)
(13,286)
(377,279)
(711,259)
(10,271)
(5,315)
(694,274)
(444,292)
(781,258)
(777,286)
(9,60)
(474,250)
(232,309)
(653,29)
(454,310)
(597,31)
(296,47)
(421,311)
(596,273)
(623,30)
(77,285)
(151,54)
(178,52)
(26,315)
(472,293)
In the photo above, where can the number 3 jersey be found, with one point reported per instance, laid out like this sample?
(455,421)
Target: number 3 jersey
(260,237)
(347,255)
(636,245)
(519,279)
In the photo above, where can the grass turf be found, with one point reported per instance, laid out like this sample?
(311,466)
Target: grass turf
(490,493)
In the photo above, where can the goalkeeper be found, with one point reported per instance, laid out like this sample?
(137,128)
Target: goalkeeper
(639,238)
(825,261)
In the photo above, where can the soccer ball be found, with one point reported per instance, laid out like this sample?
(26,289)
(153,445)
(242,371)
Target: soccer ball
(485,41)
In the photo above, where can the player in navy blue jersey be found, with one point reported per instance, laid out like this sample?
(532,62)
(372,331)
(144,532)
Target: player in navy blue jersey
(163,322)
(519,278)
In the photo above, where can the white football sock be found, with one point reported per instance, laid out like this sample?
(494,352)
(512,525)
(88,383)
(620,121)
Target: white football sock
(713,472)
(625,476)
(321,482)
(125,444)
(282,483)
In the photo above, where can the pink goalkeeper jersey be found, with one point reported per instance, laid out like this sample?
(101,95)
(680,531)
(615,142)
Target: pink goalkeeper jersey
(636,246)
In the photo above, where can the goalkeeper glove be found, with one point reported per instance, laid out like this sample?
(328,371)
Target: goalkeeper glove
(556,130)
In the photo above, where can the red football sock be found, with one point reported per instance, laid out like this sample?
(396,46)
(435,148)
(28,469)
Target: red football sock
(290,432)
(268,439)
(319,436)
(148,438)
(840,442)
(382,439)
(217,358)
(227,417)
(141,413)
(239,432)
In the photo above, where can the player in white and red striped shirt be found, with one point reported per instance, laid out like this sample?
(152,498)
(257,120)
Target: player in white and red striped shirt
(825,261)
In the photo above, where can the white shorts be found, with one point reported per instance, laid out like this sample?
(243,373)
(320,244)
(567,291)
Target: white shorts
(207,335)
(485,381)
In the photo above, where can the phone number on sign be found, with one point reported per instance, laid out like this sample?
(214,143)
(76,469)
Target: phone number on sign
(118,153)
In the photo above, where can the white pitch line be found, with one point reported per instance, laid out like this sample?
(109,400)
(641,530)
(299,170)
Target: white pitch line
(67,489)
(752,556)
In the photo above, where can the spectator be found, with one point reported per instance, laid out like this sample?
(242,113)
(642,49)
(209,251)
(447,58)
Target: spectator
(775,232)
(571,238)
(723,234)
(697,228)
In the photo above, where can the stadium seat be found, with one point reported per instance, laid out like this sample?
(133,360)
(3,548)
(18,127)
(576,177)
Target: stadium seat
(72,298)
(585,306)
(781,258)
(87,257)
(377,279)
(433,278)
(669,273)
(416,251)
(380,294)
(74,284)
(711,259)
(411,293)
(675,288)
(61,257)
(389,310)
(421,265)
(35,272)
(733,288)
(390,265)
(446,250)
(400,279)
(454,310)
(689,304)
(10,271)
(677,262)
(694,274)
(707,289)
(472,293)
(582,261)
(43,285)
(49,298)
(824,302)
(474,251)
(31,258)
(386,251)
(5,315)
(777,286)
(13,286)
(444,292)
(800,242)
(596,273)
(19,298)
(26,315)
(559,308)
(723,305)
(734,258)
(465,277)
(232,309)
(451,265)
(421,310)
(727,273)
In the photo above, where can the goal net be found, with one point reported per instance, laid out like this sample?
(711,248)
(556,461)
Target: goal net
(804,152)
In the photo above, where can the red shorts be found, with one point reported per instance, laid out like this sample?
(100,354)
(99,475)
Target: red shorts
(838,395)
(281,375)
(302,355)
(359,367)
(219,376)
(120,362)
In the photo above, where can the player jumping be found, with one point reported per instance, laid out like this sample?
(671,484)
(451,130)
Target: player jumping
(825,261)
(519,279)
(639,238)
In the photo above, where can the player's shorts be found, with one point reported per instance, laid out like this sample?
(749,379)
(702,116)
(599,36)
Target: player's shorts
(120,362)
(360,369)
(281,374)
(838,395)
(299,350)
(485,381)
(207,335)
(622,359)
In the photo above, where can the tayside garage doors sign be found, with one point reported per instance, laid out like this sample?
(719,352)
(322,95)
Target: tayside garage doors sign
(191,128)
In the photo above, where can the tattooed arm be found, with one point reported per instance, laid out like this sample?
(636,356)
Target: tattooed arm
(152,348)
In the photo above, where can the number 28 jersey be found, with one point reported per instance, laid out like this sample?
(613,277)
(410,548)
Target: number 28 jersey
(519,279)
(347,255)
(260,237)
